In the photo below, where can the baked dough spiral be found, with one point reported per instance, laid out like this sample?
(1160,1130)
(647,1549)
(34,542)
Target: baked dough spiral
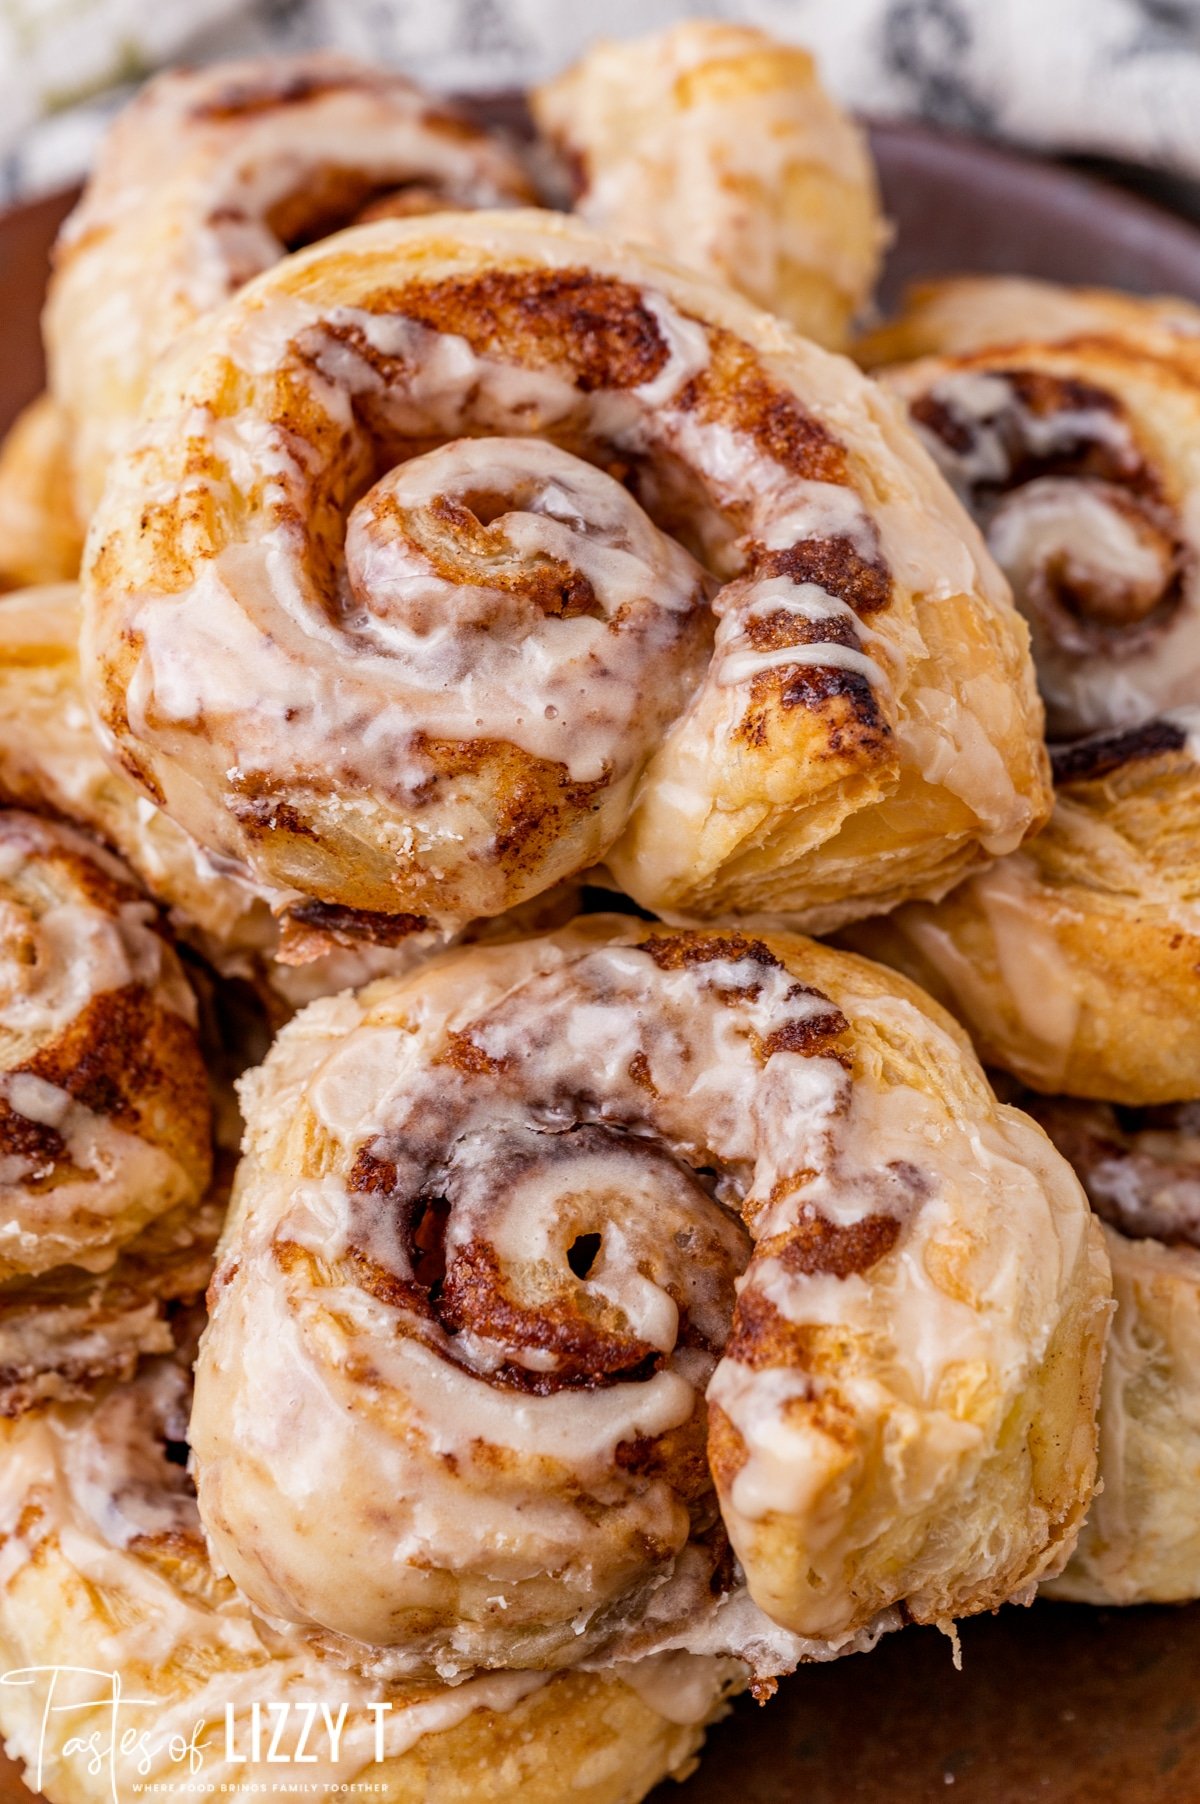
(1075,962)
(368,612)
(1141,1169)
(40,539)
(499,1232)
(104,1112)
(103,1568)
(1070,424)
(210,176)
(718,144)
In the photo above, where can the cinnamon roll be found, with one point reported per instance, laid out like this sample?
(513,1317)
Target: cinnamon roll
(1141,1169)
(210,176)
(104,1112)
(104,1576)
(718,144)
(1070,424)
(630,1289)
(40,539)
(1075,962)
(455,556)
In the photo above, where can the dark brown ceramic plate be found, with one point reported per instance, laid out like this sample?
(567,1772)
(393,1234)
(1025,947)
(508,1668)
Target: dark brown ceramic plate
(1054,1704)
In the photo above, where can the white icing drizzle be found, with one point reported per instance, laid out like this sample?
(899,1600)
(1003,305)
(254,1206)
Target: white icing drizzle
(741,666)
(527,1193)
(737,661)
(468,655)
(985,397)
(193,190)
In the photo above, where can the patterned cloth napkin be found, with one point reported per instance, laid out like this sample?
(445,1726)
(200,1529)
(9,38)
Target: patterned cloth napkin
(1115,77)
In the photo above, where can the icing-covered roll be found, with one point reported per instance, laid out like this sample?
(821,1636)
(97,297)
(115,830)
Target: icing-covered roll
(369,612)
(103,1571)
(210,176)
(632,1288)
(1141,1169)
(40,539)
(718,144)
(1070,424)
(104,1110)
(1075,962)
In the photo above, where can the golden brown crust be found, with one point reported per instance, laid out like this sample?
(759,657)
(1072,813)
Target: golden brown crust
(51,762)
(855,662)
(958,315)
(1075,963)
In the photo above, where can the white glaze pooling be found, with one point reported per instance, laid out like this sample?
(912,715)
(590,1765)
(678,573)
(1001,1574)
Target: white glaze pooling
(554,1091)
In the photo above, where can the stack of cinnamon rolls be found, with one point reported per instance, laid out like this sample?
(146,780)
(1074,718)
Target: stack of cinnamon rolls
(505,631)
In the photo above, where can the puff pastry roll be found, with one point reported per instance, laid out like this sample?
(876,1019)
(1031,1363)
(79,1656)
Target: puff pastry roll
(104,1113)
(104,1568)
(1075,963)
(1141,1169)
(371,612)
(718,144)
(1070,424)
(210,176)
(561,1274)
(40,539)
